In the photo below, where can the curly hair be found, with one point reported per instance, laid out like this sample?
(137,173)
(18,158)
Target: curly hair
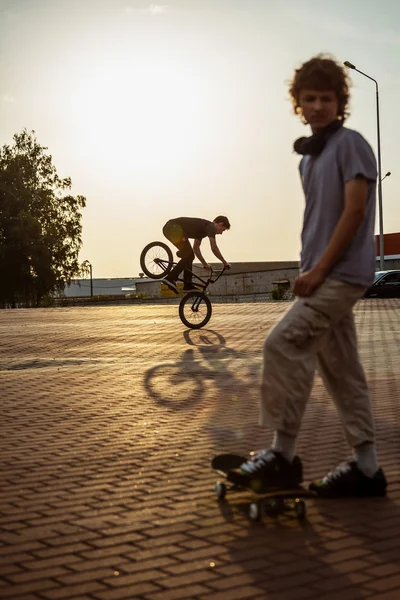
(321,73)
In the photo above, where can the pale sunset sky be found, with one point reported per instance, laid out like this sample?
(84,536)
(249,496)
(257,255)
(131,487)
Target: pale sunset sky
(181,109)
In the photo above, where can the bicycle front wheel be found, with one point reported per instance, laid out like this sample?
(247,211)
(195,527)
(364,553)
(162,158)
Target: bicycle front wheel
(195,310)
(156,260)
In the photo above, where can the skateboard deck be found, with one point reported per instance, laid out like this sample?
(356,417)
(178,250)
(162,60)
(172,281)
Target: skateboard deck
(223,463)
(264,499)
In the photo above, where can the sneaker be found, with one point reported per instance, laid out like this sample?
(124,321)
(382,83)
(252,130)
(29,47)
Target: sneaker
(190,288)
(348,480)
(171,284)
(268,469)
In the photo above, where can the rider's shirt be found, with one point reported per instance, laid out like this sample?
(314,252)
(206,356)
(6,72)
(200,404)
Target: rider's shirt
(195,228)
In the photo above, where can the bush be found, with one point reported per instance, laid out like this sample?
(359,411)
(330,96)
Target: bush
(47,301)
(278,293)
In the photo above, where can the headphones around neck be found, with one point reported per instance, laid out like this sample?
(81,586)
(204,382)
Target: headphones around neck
(314,144)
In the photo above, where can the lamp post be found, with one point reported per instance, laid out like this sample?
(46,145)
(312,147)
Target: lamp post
(350,65)
(387,175)
(84,269)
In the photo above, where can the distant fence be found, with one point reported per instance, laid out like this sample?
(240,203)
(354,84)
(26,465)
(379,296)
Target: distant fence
(121,300)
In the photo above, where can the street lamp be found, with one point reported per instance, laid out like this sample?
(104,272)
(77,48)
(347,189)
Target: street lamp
(387,175)
(381,244)
(84,270)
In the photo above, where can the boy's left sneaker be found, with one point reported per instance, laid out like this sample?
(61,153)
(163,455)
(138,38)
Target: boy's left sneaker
(268,469)
(348,481)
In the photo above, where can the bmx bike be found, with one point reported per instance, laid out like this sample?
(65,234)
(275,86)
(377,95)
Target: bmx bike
(195,308)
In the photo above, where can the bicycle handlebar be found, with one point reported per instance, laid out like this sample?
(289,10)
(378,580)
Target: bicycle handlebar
(219,274)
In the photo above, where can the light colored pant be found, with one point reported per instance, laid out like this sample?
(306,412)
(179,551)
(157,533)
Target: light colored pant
(318,329)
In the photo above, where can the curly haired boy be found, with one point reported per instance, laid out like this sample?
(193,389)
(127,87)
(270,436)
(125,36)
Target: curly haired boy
(338,258)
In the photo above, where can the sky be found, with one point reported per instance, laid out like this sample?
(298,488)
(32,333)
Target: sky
(160,110)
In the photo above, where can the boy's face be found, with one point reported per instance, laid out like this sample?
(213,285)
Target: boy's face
(319,108)
(219,228)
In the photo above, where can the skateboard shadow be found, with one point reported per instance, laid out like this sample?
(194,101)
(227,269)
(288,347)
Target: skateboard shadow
(338,549)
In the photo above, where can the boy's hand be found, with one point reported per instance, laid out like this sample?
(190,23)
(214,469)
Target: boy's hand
(206,266)
(307,283)
(227,265)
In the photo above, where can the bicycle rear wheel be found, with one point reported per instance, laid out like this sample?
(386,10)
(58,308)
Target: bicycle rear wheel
(156,260)
(195,310)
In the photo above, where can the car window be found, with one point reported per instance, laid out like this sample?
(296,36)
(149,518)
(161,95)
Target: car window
(391,278)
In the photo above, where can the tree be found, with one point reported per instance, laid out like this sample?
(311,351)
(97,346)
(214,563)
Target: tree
(40,224)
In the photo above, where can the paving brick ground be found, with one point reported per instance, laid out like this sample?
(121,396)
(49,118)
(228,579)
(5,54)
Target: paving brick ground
(109,419)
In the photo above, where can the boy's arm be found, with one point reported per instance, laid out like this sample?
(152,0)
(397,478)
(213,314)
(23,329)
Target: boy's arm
(355,201)
(197,251)
(217,252)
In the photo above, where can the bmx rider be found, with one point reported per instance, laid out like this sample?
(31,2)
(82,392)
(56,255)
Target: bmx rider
(179,231)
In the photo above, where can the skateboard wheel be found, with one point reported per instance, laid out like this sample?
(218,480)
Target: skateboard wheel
(255,511)
(220,490)
(275,506)
(300,508)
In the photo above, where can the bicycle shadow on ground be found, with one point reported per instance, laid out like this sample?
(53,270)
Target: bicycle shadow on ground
(208,364)
(204,337)
(178,385)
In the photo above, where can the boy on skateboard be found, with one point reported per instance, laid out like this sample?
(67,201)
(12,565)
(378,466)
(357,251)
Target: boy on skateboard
(338,174)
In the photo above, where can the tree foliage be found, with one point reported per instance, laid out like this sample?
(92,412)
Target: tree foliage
(40,224)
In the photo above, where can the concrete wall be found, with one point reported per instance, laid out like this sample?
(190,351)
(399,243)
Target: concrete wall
(389,264)
(251,277)
(150,288)
(106,286)
(258,282)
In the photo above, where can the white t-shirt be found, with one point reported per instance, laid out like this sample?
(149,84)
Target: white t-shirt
(346,155)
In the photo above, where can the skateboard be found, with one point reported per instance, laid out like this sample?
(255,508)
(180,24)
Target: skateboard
(273,501)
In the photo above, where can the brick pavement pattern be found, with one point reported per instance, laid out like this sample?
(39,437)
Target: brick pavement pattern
(110,417)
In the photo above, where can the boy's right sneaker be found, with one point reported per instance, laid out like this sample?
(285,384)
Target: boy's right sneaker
(268,469)
(348,481)
(171,284)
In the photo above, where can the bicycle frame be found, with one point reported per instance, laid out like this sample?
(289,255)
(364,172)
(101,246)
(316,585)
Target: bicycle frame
(209,280)
(164,264)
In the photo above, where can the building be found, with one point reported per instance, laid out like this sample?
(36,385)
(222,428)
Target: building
(80,288)
(391,253)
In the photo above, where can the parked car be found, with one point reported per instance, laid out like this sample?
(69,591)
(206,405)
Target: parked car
(386,285)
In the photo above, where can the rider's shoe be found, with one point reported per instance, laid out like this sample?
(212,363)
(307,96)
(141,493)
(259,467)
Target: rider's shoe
(189,287)
(171,284)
